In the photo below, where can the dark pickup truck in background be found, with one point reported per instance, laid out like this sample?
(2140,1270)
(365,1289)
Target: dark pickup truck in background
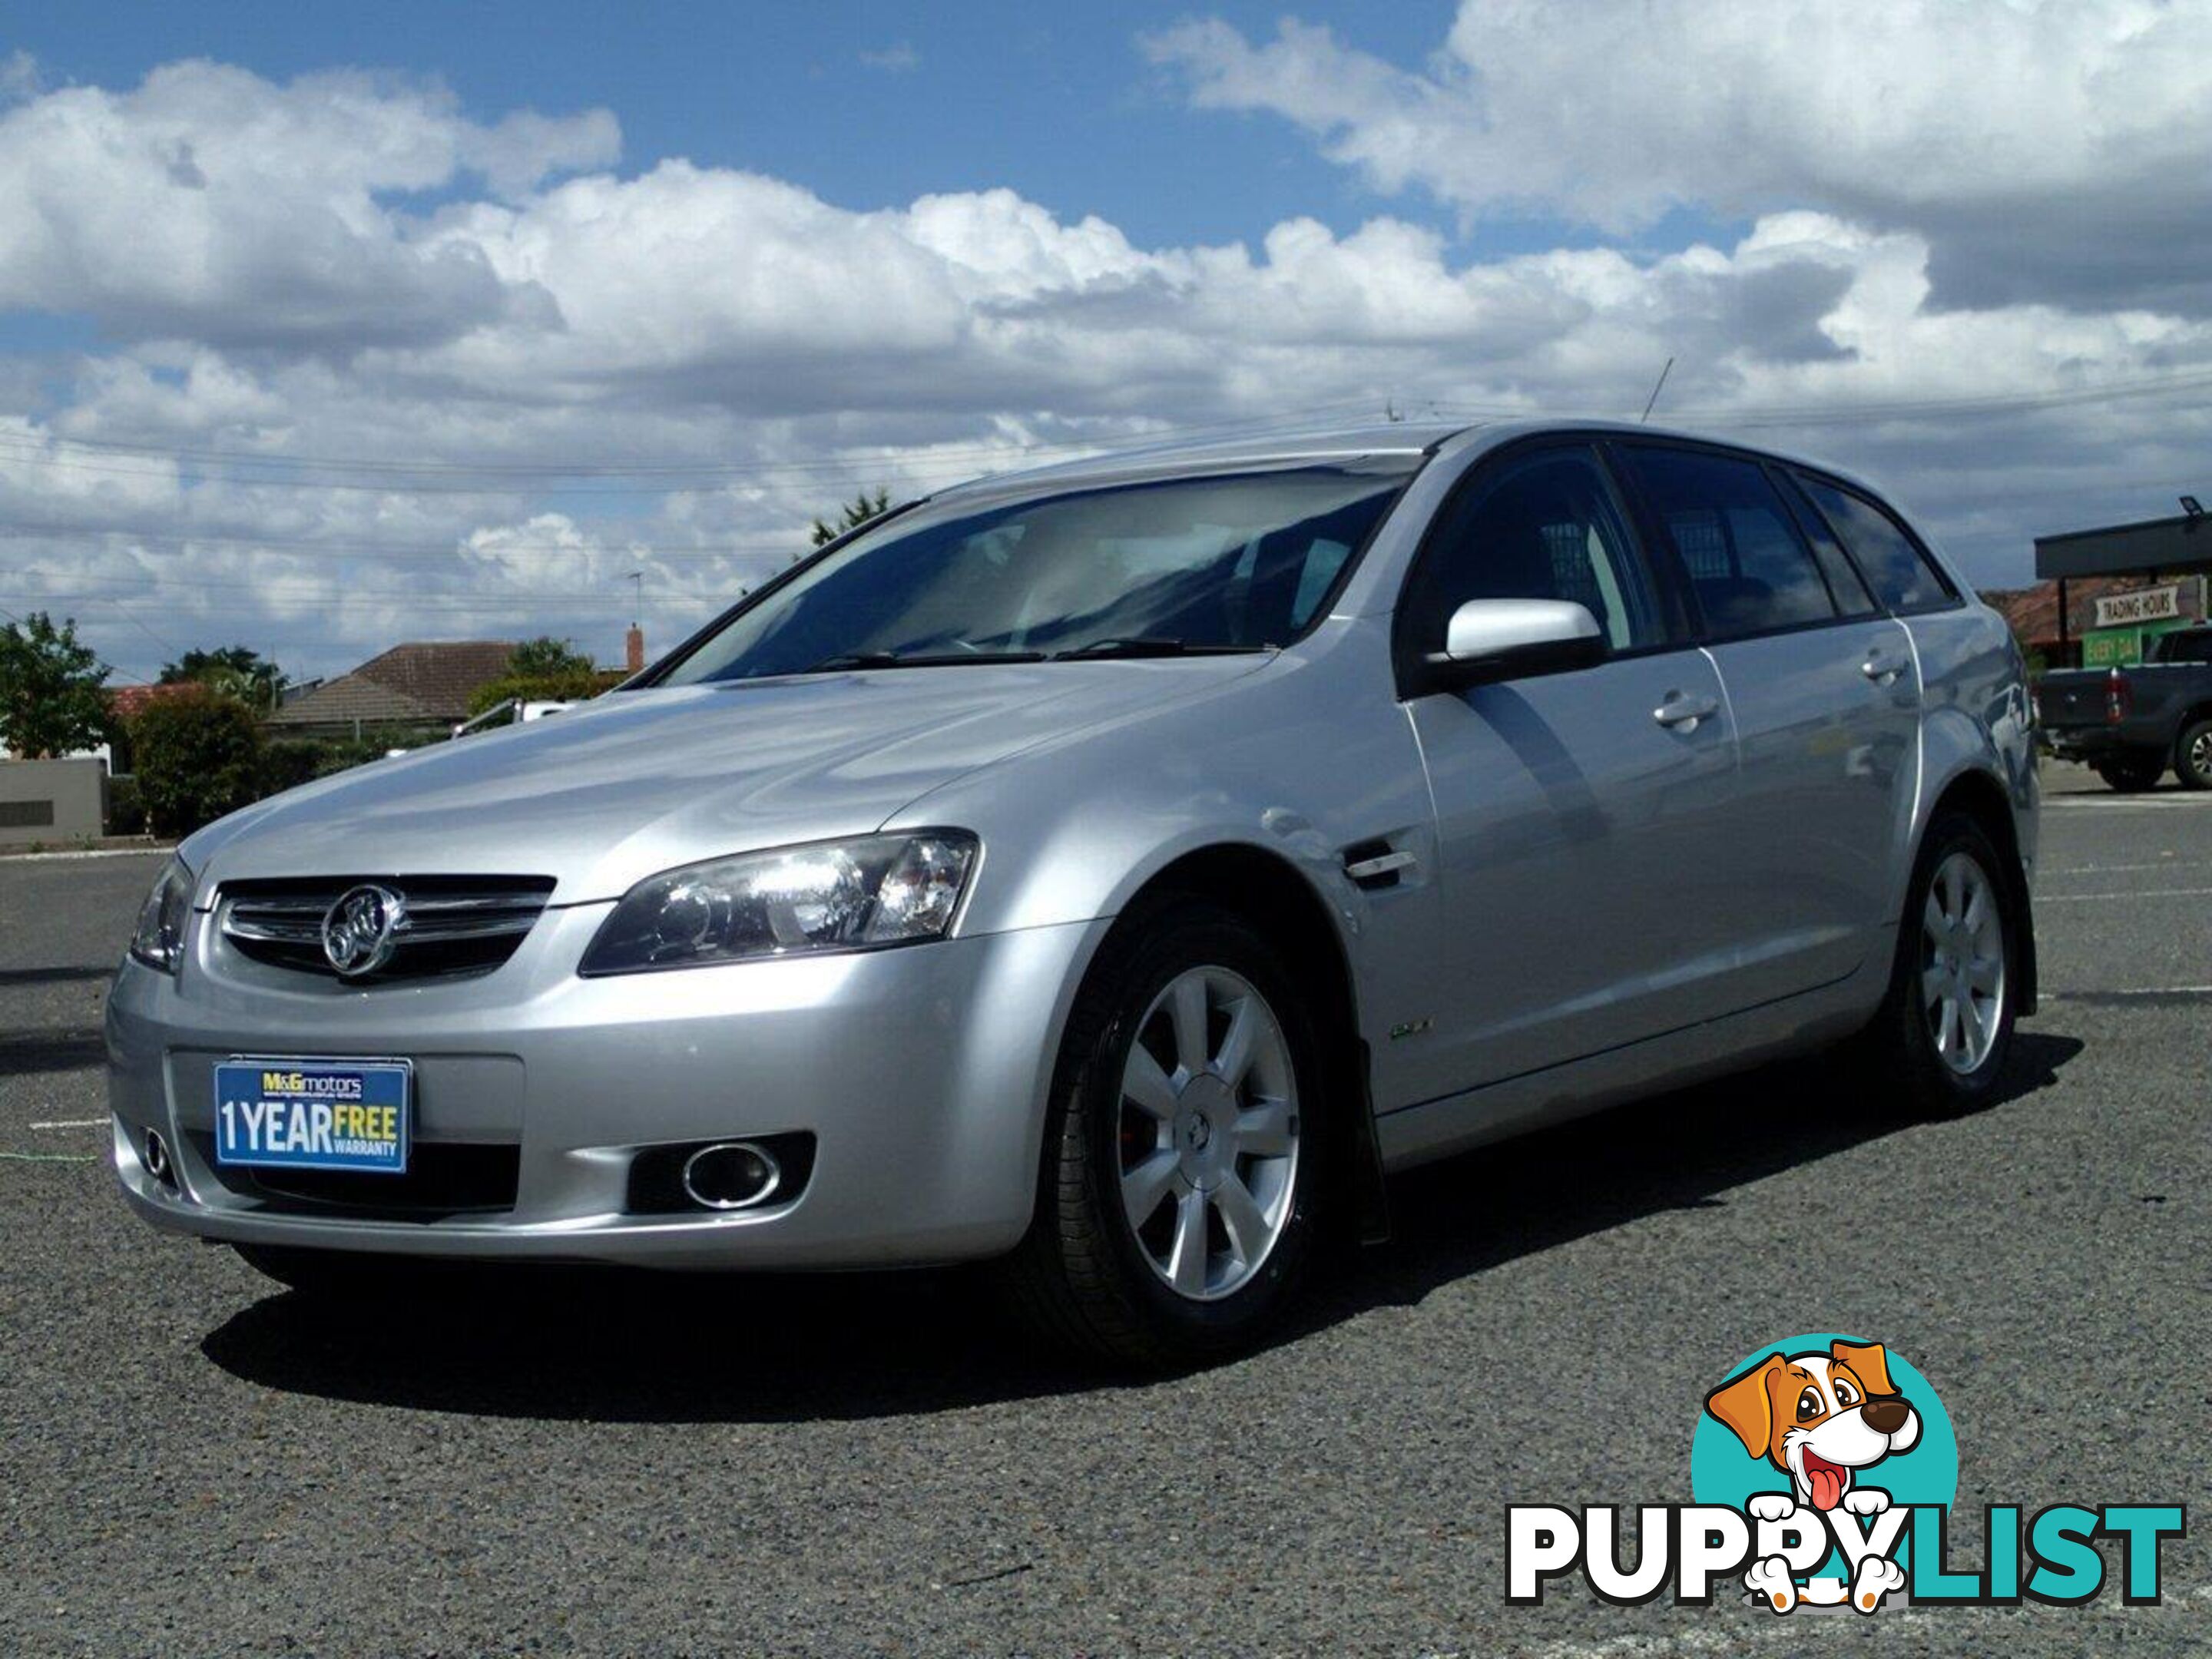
(2130,724)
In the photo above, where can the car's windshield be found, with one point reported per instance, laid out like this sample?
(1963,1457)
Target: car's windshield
(1224,561)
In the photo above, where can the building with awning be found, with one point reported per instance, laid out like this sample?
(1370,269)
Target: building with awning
(2113,589)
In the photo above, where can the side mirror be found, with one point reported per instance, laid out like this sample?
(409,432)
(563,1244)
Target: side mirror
(1491,639)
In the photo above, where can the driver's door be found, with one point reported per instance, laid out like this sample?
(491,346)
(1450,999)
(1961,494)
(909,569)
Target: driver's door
(1580,814)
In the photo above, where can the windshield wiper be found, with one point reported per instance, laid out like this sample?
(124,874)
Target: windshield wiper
(845,659)
(1146,646)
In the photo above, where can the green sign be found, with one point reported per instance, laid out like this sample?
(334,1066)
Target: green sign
(2122,648)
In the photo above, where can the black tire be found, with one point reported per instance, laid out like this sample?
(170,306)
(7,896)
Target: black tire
(2133,775)
(1899,1049)
(1082,1277)
(2192,754)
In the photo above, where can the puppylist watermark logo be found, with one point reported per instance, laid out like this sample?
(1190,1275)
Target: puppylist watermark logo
(1823,1469)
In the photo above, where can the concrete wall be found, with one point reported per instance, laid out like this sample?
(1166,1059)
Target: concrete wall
(54,800)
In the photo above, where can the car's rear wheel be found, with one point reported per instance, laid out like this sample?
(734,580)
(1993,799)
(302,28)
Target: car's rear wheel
(1946,1026)
(2133,775)
(2192,754)
(1177,1204)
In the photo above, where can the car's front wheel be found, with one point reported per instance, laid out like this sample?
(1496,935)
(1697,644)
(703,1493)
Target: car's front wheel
(1946,1027)
(1177,1204)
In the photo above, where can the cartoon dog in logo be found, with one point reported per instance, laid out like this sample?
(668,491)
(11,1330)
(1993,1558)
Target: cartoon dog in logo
(1820,1419)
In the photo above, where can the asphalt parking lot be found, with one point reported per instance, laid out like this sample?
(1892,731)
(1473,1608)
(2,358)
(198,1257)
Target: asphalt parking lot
(192,1461)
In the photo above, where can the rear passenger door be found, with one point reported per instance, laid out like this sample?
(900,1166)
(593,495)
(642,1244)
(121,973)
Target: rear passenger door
(1824,693)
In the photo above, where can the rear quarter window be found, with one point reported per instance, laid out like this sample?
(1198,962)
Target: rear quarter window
(1902,576)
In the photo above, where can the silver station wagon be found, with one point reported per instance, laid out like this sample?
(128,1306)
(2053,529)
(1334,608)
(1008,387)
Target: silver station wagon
(1116,870)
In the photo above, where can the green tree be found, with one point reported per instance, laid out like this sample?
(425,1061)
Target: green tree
(51,695)
(572,686)
(547,658)
(199,755)
(544,669)
(855,514)
(236,671)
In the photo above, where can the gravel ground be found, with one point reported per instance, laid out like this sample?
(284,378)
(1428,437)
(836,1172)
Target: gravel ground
(191,1462)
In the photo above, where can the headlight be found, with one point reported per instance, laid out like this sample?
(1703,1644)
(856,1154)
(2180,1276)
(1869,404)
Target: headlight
(832,896)
(159,941)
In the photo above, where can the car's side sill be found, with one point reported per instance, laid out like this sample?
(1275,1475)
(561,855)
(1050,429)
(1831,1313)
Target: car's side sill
(1790,1024)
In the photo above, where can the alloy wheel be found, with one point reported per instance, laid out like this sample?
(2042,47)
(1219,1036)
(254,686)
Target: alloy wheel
(1962,974)
(1208,1134)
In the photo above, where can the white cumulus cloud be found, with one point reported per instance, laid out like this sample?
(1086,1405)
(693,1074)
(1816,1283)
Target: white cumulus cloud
(2047,149)
(363,367)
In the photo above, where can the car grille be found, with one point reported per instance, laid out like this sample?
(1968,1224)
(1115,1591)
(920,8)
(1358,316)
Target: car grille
(454,924)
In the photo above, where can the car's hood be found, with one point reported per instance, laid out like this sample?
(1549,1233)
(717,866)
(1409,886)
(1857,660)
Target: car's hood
(641,781)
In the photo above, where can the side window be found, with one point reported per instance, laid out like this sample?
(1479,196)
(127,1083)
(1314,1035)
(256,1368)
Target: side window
(1848,588)
(1324,559)
(1751,569)
(1901,574)
(1541,527)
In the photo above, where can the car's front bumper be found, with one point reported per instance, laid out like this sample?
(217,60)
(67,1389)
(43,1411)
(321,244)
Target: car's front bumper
(921,1072)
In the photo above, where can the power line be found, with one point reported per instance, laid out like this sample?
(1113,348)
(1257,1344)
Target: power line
(1838,413)
(1231,424)
(949,464)
(130,616)
(98,661)
(612,605)
(26,449)
(622,545)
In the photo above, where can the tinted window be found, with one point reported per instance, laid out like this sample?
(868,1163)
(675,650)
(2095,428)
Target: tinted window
(1751,569)
(1233,561)
(1900,573)
(1845,585)
(2185,645)
(1541,526)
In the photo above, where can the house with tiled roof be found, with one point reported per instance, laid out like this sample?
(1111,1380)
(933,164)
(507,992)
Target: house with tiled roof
(423,686)
(127,703)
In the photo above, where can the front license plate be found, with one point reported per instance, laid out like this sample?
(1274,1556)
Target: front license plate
(314,1113)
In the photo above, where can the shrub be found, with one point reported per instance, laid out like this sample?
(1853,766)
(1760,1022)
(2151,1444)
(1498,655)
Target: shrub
(373,744)
(126,812)
(291,762)
(199,755)
(571,686)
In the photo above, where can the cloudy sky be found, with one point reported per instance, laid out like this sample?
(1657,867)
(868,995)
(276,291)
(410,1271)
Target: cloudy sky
(323,327)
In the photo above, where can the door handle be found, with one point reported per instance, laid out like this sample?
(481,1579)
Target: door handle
(1880,667)
(1681,713)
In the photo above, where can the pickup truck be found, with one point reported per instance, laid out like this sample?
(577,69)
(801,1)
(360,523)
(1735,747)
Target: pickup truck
(2130,724)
